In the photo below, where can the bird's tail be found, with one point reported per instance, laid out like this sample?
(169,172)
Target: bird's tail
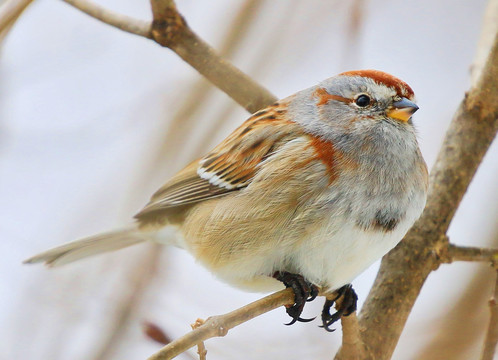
(89,246)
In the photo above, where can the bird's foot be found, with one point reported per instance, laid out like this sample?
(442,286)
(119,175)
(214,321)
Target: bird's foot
(303,292)
(346,299)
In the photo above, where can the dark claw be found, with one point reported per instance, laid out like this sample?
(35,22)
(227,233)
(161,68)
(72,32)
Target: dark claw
(313,293)
(347,306)
(303,291)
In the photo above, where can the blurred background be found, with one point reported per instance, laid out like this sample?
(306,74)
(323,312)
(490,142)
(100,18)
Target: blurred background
(93,120)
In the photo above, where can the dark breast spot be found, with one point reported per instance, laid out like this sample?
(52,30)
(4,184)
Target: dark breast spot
(383,221)
(385,224)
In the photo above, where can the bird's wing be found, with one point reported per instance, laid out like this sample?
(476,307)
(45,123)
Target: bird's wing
(228,167)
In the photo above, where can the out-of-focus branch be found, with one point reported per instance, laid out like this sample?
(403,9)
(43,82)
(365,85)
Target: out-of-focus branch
(123,22)
(170,29)
(219,325)
(10,11)
(491,339)
(404,270)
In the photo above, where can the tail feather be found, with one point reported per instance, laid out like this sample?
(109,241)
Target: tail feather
(89,246)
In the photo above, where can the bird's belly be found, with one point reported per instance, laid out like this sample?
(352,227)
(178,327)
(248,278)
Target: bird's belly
(333,260)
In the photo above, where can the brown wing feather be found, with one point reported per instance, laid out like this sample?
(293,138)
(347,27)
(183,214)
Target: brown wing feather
(229,167)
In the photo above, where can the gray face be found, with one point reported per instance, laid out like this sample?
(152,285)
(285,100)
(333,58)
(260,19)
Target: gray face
(365,99)
(332,109)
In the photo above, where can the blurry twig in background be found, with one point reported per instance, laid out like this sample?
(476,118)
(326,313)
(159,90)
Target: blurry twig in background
(460,329)
(154,332)
(138,276)
(491,339)
(351,50)
(10,10)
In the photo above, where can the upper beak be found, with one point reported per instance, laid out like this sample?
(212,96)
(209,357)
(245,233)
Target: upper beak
(402,110)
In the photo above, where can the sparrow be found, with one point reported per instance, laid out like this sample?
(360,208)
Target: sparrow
(307,192)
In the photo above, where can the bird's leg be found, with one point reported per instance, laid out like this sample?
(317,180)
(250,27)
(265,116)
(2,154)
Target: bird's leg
(346,307)
(303,291)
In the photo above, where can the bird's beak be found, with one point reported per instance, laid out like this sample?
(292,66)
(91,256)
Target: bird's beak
(402,110)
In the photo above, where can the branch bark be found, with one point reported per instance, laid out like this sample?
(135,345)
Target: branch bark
(404,270)
(467,253)
(352,347)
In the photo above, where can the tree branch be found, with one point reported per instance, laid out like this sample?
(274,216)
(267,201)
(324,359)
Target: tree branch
(353,347)
(10,10)
(491,339)
(219,325)
(170,29)
(404,270)
(123,22)
(463,253)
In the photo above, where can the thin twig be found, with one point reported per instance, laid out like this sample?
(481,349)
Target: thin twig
(352,347)
(10,10)
(464,253)
(201,348)
(491,339)
(219,325)
(123,22)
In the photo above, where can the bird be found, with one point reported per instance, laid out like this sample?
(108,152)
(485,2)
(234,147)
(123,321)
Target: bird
(307,193)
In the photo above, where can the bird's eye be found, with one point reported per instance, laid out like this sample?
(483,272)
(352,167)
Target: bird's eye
(363,100)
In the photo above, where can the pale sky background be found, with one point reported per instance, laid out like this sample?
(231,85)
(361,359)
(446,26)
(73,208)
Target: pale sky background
(84,112)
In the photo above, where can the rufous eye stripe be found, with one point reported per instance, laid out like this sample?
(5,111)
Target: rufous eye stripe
(324,97)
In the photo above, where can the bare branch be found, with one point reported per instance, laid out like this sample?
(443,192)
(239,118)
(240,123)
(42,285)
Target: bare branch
(353,347)
(491,339)
(404,270)
(123,22)
(464,253)
(10,10)
(171,30)
(219,325)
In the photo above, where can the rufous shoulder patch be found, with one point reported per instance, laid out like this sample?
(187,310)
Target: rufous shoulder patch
(326,153)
